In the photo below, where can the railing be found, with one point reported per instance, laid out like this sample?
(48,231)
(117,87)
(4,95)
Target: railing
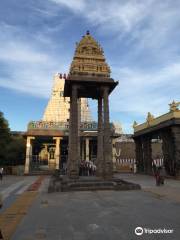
(125,161)
(35,159)
(130,161)
(158,162)
(36,162)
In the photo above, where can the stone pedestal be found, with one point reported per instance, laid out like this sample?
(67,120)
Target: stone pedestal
(28,154)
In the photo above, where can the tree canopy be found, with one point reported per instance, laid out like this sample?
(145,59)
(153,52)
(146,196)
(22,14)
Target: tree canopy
(12,148)
(4,137)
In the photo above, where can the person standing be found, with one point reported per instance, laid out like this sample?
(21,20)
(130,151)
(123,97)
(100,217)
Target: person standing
(1,173)
(162,175)
(154,168)
(135,167)
(156,173)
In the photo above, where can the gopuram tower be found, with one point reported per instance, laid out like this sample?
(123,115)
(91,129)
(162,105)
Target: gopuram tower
(57,109)
(89,77)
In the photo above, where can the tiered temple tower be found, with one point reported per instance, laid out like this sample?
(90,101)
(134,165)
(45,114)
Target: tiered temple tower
(57,109)
(89,59)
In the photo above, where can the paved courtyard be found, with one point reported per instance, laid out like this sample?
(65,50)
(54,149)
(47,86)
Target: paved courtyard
(13,186)
(106,215)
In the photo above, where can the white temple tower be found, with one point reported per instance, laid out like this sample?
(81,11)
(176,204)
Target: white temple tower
(57,109)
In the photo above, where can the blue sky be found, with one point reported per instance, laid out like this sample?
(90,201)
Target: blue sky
(140,40)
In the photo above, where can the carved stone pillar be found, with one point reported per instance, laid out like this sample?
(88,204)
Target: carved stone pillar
(82,150)
(100,155)
(147,154)
(28,154)
(139,155)
(87,149)
(57,151)
(108,166)
(168,151)
(78,126)
(176,149)
(73,154)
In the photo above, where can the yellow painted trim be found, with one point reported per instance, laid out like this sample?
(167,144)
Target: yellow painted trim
(158,120)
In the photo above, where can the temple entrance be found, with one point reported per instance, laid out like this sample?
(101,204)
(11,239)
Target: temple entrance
(43,154)
(48,153)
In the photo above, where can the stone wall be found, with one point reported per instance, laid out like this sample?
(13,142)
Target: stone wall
(124,154)
(127,150)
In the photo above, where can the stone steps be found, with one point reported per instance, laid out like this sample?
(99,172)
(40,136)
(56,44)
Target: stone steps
(89,188)
(63,184)
(36,173)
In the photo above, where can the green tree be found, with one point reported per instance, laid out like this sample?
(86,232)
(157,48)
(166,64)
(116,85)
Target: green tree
(16,151)
(12,148)
(4,138)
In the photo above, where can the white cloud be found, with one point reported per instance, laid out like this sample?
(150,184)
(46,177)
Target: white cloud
(17,51)
(75,5)
(149,25)
(26,66)
(142,91)
(149,29)
(114,14)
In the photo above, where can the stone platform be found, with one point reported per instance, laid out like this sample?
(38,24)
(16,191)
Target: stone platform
(64,184)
